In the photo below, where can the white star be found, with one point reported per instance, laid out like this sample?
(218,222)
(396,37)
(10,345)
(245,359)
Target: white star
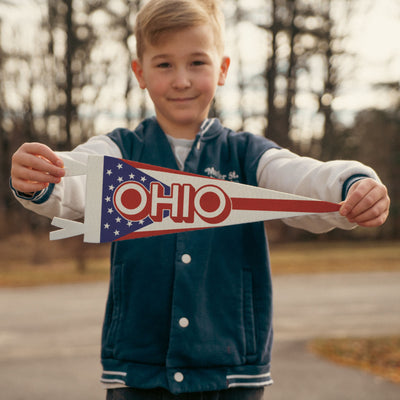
(116,233)
(110,211)
(143,179)
(111,187)
(119,166)
(109,172)
(120,179)
(106,226)
(129,223)
(141,222)
(131,176)
(118,219)
(108,199)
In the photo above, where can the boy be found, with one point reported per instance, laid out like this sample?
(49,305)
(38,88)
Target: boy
(190,314)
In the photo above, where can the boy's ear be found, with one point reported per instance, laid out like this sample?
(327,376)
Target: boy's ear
(225,63)
(138,71)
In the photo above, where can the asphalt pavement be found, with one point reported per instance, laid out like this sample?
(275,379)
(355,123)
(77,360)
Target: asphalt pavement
(331,305)
(50,337)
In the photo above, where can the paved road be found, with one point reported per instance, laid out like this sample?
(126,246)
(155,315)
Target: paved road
(49,337)
(331,306)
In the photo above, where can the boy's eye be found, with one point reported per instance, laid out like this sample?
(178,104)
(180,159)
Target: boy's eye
(198,63)
(164,65)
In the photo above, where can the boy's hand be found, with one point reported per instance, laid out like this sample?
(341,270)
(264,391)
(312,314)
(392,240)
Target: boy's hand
(367,203)
(34,166)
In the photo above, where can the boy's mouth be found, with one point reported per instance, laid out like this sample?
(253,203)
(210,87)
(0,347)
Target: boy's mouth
(182,99)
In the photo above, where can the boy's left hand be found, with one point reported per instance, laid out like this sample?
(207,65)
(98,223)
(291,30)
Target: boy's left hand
(367,203)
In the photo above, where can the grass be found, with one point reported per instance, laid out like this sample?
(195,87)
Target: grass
(334,257)
(380,356)
(28,260)
(55,272)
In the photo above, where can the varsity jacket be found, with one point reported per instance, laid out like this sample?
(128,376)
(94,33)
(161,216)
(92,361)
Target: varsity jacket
(192,311)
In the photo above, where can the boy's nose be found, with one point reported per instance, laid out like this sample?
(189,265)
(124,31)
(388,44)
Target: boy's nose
(181,80)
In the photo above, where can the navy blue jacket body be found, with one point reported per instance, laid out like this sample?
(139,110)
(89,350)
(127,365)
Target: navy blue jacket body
(192,311)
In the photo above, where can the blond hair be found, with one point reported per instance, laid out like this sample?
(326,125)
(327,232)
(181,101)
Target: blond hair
(160,16)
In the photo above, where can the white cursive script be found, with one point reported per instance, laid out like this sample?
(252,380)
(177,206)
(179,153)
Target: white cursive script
(231,176)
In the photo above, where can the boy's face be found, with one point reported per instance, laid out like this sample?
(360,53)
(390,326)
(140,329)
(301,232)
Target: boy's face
(181,73)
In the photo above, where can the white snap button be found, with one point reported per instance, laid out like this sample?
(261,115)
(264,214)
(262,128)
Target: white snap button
(178,377)
(186,259)
(184,322)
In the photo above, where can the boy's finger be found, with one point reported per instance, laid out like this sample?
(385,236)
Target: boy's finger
(369,221)
(362,202)
(32,175)
(28,187)
(361,196)
(38,163)
(351,202)
(380,208)
(44,152)
(25,179)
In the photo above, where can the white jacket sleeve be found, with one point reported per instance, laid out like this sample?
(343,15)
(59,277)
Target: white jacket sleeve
(282,170)
(67,199)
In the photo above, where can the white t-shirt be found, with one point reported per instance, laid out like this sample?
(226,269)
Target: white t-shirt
(181,149)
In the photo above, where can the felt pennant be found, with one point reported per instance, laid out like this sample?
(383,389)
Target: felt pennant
(127,200)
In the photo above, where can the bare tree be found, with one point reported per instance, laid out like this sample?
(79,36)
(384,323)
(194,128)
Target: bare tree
(124,23)
(375,140)
(4,140)
(72,65)
(272,130)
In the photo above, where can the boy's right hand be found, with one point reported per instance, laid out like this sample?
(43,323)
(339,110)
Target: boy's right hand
(34,166)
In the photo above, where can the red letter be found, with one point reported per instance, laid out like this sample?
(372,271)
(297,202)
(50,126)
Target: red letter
(212,204)
(161,202)
(131,199)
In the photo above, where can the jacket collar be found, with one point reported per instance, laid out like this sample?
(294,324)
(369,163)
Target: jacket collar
(209,129)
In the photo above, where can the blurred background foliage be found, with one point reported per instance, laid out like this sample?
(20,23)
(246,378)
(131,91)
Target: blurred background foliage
(65,76)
